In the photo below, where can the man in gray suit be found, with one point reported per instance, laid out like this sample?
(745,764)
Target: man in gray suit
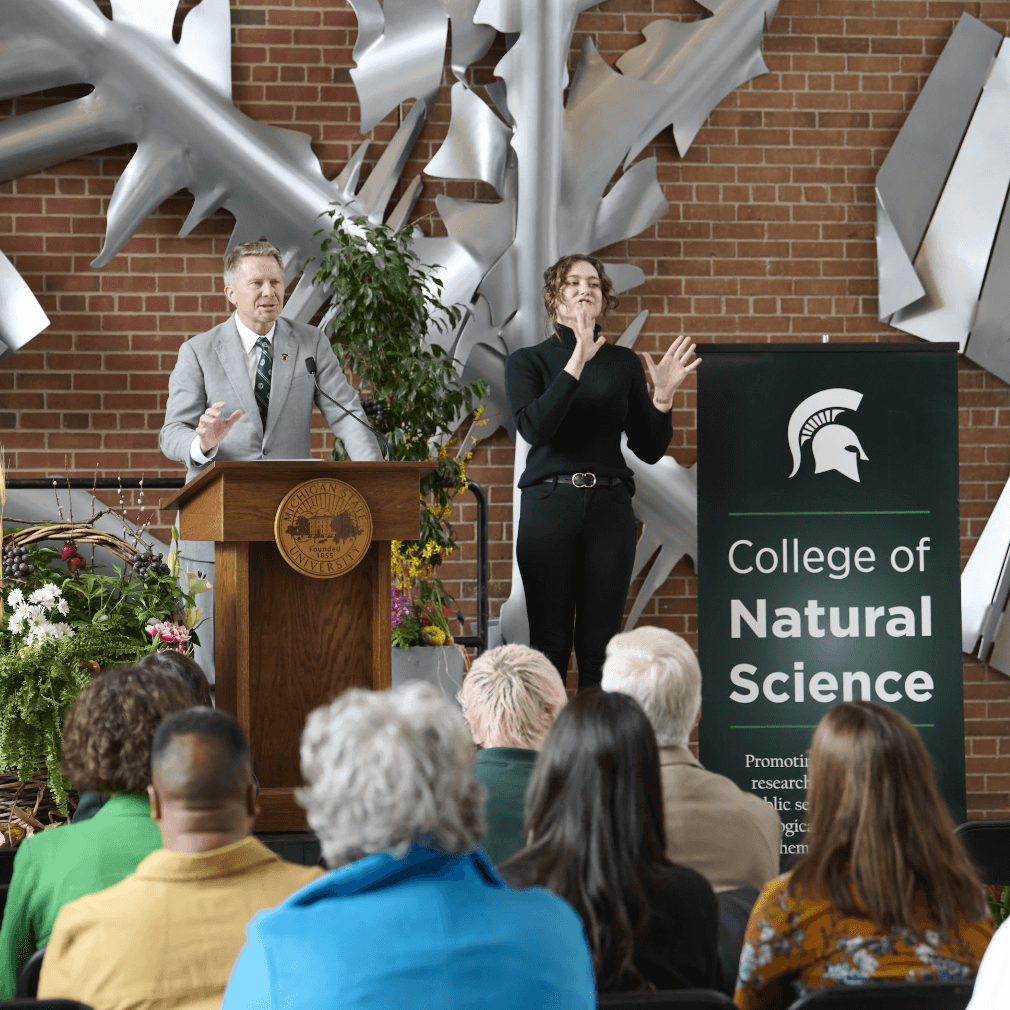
(241,391)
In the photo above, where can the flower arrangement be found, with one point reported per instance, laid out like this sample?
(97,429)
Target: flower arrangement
(64,621)
(386,307)
(998,899)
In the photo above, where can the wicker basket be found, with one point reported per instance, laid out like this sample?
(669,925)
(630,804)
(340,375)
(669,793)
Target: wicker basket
(28,805)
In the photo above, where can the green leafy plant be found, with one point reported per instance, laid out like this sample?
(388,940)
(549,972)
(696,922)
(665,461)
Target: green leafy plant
(998,899)
(61,624)
(387,304)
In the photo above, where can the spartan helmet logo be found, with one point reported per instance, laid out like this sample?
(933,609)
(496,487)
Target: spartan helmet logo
(835,446)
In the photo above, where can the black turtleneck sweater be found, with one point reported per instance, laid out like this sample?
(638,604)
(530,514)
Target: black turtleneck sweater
(575,425)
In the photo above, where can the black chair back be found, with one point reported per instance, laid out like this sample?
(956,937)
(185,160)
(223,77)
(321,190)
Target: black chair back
(734,911)
(988,845)
(45,1004)
(28,979)
(675,999)
(890,996)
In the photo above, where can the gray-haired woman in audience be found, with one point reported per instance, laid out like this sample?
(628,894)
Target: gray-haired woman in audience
(510,698)
(413,915)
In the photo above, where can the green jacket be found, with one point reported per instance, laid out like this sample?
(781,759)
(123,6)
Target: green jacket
(505,772)
(65,863)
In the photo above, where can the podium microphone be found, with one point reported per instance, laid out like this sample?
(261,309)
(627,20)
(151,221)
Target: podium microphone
(310,365)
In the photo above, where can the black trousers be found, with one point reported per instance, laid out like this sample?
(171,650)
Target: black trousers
(575,548)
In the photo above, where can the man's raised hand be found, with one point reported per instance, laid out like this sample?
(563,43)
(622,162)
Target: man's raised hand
(212,427)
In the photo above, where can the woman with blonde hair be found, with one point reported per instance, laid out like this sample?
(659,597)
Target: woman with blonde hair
(885,891)
(510,697)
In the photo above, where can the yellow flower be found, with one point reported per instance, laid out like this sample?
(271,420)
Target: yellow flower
(434,635)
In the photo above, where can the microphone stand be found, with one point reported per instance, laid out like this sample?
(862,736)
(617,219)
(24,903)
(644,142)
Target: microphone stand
(310,365)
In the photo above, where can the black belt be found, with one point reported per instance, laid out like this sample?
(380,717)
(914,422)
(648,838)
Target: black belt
(583,480)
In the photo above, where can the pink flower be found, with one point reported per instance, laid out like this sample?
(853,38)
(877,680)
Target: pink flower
(170,633)
(445,610)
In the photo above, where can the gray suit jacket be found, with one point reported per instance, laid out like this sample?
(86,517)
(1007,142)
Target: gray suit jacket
(212,366)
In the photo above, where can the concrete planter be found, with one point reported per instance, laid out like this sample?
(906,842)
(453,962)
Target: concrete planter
(438,665)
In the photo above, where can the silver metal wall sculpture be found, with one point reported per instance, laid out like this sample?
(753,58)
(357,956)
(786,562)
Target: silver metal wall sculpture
(550,161)
(173,100)
(21,316)
(943,252)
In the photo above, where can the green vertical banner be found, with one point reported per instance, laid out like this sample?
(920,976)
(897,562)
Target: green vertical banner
(828,555)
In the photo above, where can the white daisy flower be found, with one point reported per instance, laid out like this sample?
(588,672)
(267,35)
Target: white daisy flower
(63,607)
(44,595)
(15,597)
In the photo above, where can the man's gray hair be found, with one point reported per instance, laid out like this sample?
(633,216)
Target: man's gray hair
(511,697)
(261,247)
(386,768)
(660,671)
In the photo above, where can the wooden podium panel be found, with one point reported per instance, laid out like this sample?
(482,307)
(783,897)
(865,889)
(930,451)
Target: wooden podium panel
(286,643)
(308,640)
(235,501)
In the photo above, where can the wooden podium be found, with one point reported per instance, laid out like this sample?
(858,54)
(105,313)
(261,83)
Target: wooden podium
(286,643)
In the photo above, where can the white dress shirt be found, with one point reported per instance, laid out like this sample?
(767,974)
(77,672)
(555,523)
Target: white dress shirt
(992,983)
(249,340)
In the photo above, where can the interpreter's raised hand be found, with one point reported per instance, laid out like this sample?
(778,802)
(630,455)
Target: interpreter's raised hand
(587,344)
(212,427)
(673,368)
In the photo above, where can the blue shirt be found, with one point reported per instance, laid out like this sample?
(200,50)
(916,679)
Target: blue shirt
(427,930)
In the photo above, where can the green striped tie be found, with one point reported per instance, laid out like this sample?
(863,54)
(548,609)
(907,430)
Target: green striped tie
(263,369)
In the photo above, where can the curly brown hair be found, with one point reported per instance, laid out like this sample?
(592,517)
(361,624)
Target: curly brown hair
(554,278)
(107,731)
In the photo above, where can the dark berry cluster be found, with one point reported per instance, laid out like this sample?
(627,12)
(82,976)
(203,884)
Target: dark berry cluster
(376,413)
(17,563)
(148,563)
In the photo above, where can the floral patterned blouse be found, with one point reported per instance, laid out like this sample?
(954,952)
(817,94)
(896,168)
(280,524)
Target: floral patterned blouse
(808,943)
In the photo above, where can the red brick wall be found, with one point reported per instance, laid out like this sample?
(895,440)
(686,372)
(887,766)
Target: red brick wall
(769,236)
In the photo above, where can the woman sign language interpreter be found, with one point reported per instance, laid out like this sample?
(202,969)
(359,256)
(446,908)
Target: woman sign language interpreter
(572,397)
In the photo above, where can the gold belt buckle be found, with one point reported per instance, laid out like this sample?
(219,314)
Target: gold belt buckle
(577,483)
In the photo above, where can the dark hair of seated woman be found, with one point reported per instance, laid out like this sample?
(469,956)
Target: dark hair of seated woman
(187,668)
(595,837)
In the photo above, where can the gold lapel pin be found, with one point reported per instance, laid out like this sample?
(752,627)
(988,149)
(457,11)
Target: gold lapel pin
(284,357)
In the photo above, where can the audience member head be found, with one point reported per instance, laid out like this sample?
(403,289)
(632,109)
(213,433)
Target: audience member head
(187,668)
(877,820)
(659,670)
(511,696)
(202,791)
(107,731)
(387,768)
(594,817)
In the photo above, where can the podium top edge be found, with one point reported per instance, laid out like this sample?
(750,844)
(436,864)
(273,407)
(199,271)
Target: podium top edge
(817,347)
(297,468)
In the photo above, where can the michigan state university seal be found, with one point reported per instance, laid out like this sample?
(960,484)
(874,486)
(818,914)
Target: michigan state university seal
(323,528)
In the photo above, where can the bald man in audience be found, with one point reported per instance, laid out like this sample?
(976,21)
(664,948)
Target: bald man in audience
(168,934)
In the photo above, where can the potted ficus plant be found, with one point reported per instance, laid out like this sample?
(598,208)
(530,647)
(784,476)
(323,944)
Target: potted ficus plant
(385,307)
